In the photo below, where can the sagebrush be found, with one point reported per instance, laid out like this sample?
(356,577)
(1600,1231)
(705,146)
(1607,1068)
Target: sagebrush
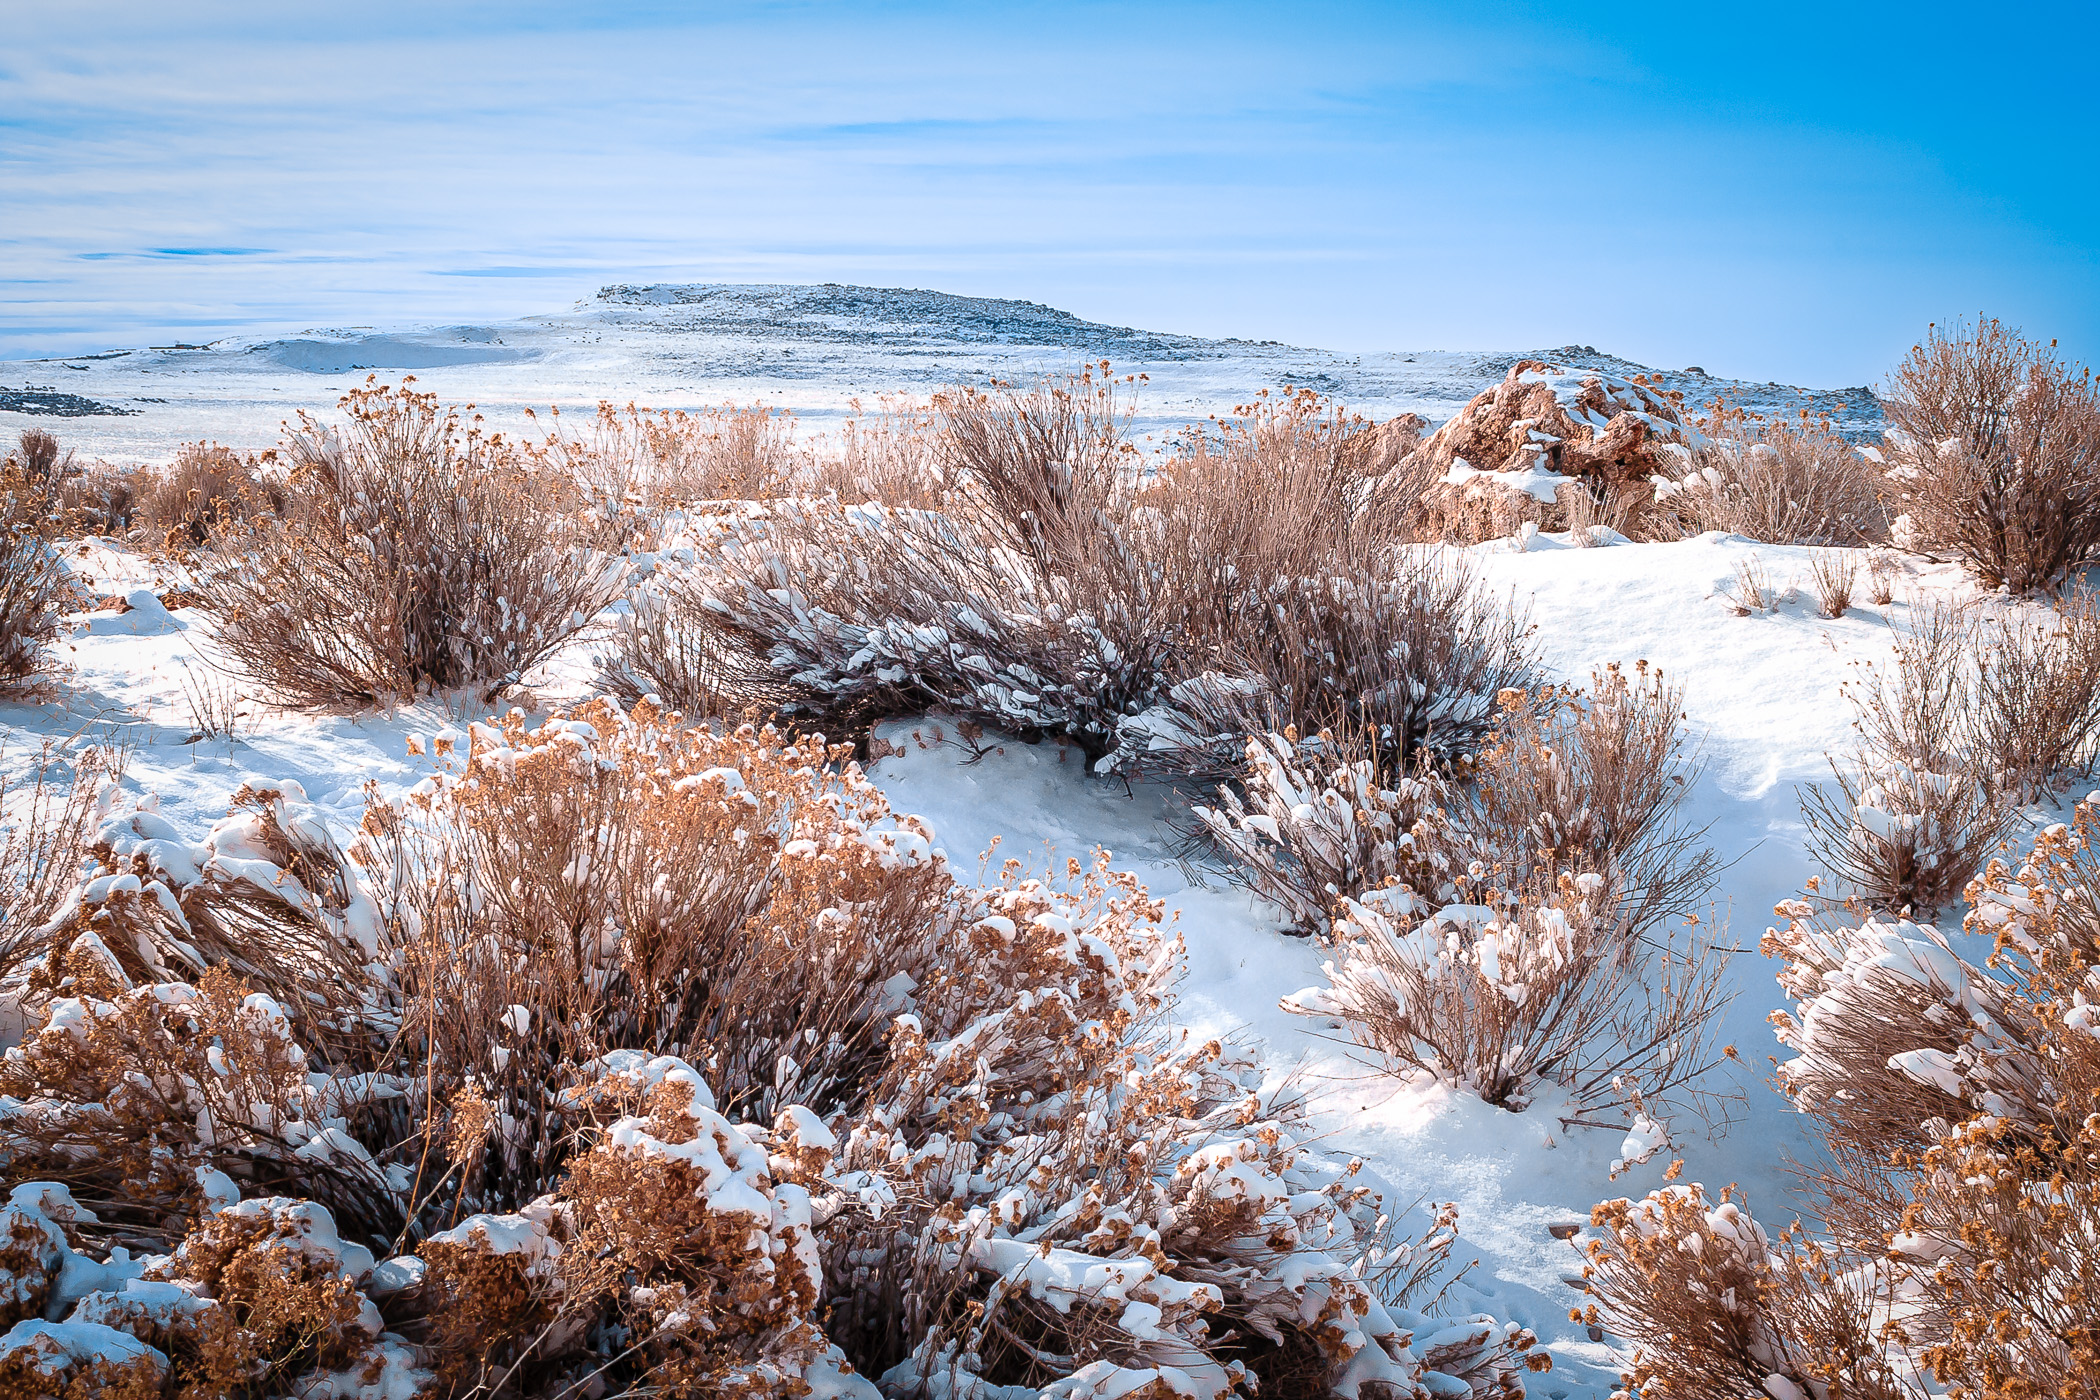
(636,1055)
(414,554)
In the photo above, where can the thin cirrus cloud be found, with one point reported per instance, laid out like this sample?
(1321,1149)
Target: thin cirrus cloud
(1791,200)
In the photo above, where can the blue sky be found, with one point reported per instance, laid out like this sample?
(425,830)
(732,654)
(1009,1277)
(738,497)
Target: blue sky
(1783,192)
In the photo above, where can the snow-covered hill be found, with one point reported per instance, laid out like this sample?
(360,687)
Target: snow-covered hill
(809,349)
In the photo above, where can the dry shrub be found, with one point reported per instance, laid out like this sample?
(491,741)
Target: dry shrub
(656,460)
(1250,583)
(1913,814)
(1719,1311)
(943,1134)
(414,555)
(891,455)
(1982,712)
(46,823)
(1774,482)
(1544,931)
(2038,693)
(1834,575)
(203,490)
(1994,452)
(34,584)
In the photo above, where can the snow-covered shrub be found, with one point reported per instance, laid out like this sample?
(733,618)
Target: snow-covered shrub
(1592,781)
(1884,1010)
(34,583)
(1994,452)
(646,1056)
(1773,481)
(1537,925)
(1718,1310)
(1317,825)
(1511,990)
(1251,583)
(1407,661)
(1960,1102)
(1917,808)
(413,554)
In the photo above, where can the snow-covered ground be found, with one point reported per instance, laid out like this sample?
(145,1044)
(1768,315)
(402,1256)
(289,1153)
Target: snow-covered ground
(1761,692)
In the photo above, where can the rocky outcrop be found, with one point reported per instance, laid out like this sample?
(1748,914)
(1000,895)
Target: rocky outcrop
(1543,430)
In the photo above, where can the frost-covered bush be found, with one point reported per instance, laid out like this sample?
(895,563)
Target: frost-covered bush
(643,1056)
(1994,452)
(414,554)
(1535,926)
(1773,481)
(1159,619)
(1719,1310)
(1962,1194)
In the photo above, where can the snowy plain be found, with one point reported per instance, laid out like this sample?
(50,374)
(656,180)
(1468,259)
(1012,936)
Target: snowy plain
(1762,691)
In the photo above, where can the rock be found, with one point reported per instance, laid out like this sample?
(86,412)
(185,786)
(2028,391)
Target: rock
(1546,428)
(1385,446)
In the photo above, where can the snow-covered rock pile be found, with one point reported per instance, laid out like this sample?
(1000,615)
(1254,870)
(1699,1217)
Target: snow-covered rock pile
(1546,428)
(626,1050)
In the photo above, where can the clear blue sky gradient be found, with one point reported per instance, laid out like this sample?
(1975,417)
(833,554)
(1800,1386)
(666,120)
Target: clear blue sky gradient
(1783,192)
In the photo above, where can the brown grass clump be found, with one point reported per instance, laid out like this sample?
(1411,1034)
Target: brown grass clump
(1775,482)
(1544,931)
(1835,575)
(1994,450)
(414,555)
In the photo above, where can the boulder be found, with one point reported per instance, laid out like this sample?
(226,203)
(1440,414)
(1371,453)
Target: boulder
(1545,427)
